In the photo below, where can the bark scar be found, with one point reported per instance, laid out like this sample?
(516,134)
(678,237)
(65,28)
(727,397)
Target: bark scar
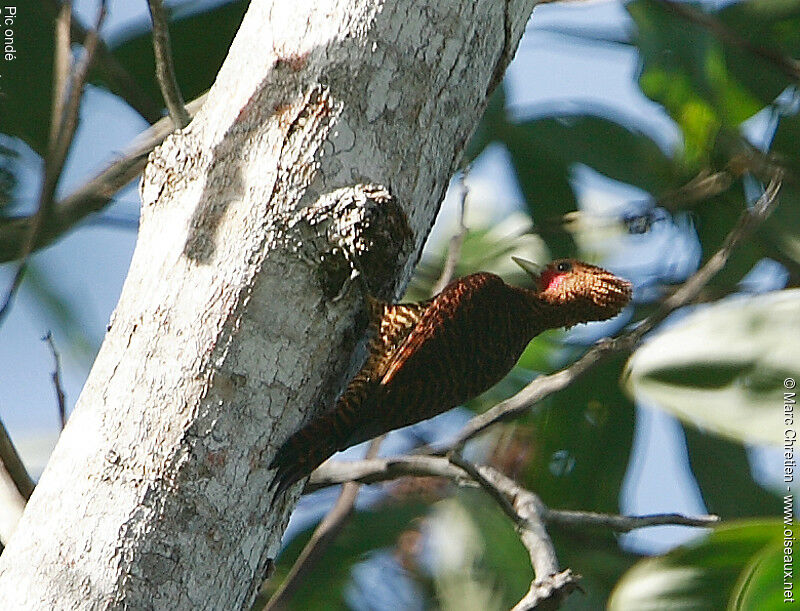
(359,230)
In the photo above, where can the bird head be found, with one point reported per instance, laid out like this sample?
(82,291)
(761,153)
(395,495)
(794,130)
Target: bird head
(587,291)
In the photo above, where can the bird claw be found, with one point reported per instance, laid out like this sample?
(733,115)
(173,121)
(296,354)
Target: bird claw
(354,275)
(283,480)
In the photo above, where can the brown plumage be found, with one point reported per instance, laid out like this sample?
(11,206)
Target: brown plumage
(425,358)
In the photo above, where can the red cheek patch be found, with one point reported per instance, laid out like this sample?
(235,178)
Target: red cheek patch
(551,279)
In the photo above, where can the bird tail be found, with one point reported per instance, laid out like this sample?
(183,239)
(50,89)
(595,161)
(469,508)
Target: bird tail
(303,452)
(346,425)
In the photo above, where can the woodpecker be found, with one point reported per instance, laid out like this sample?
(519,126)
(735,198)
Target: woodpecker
(426,358)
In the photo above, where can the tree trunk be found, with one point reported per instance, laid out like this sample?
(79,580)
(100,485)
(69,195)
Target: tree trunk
(324,148)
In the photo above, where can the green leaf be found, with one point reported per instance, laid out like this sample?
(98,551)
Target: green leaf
(491,557)
(722,470)
(545,151)
(769,23)
(784,142)
(582,431)
(758,584)
(780,234)
(484,248)
(723,571)
(614,149)
(722,368)
(685,69)
(544,180)
(597,558)
(772,25)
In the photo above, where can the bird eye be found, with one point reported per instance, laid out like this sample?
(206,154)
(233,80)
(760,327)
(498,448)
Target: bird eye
(564,266)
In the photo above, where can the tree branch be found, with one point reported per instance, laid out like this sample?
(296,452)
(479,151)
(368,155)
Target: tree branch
(373,471)
(625,524)
(12,463)
(118,78)
(59,146)
(56,375)
(522,506)
(93,196)
(456,241)
(61,66)
(492,489)
(165,71)
(335,472)
(550,584)
(56,155)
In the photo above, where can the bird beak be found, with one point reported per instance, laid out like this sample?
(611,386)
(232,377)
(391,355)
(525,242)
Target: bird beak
(533,269)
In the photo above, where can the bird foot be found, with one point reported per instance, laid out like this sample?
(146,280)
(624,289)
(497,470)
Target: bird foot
(346,286)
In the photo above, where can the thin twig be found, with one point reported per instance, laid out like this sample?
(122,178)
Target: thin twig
(550,585)
(523,507)
(373,471)
(325,533)
(702,187)
(336,472)
(61,68)
(625,524)
(118,78)
(544,386)
(165,70)
(56,375)
(457,239)
(16,487)
(491,489)
(788,66)
(527,512)
(92,196)
(56,156)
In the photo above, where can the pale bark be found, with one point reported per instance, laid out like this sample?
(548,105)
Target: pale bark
(326,144)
